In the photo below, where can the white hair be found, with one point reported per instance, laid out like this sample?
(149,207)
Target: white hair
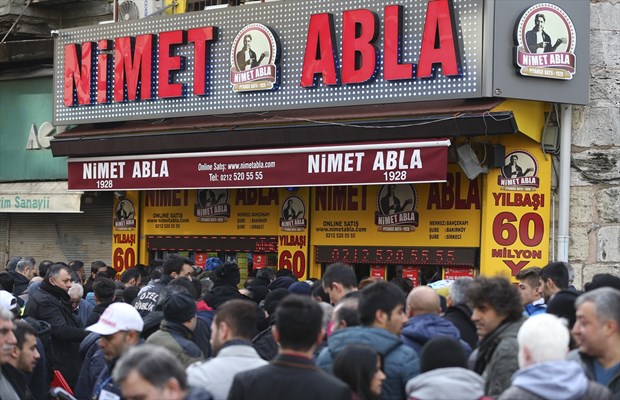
(545,337)
(76,289)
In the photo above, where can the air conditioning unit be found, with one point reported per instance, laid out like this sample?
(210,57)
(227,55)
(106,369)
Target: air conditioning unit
(129,10)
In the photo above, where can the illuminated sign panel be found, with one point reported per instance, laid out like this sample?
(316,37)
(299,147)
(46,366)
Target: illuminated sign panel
(327,55)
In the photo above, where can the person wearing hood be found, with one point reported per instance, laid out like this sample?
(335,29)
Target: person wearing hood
(382,316)
(51,303)
(423,308)
(444,373)
(544,372)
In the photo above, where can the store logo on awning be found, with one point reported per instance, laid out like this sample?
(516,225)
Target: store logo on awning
(545,38)
(212,205)
(520,171)
(125,216)
(396,208)
(253,59)
(293,215)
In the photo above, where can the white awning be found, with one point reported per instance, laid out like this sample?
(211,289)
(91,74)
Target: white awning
(38,197)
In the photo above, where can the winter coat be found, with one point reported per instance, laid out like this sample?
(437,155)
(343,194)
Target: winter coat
(18,381)
(587,364)
(446,384)
(460,316)
(84,310)
(93,318)
(420,329)
(555,380)
(265,344)
(221,294)
(148,297)
(40,378)
(92,365)
(51,304)
(177,338)
(288,377)
(400,362)
(201,336)
(496,357)
(20,283)
(217,374)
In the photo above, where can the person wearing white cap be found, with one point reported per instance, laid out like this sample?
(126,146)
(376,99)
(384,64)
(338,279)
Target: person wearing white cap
(119,326)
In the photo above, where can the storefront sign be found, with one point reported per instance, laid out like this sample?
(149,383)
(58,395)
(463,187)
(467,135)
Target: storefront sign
(399,162)
(331,55)
(452,273)
(125,231)
(516,214)
(538,53)
(38,197)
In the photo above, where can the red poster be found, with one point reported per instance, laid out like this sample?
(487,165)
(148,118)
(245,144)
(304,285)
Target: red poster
(377,271)
(413,274)
(200,260)
(260,261)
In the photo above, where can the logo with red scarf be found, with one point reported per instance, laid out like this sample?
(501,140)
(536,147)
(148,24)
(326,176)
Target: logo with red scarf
(545,38)
(253,58)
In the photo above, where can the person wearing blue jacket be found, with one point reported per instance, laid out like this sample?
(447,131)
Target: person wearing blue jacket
(382,315)
(423,308)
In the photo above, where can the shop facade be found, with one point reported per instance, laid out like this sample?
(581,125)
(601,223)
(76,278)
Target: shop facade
(38,216)
(384,135)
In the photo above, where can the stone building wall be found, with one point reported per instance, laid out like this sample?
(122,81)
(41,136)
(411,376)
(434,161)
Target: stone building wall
(595,167)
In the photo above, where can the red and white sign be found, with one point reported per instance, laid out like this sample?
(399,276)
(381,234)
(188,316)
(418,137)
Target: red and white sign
(452,273)
(377,271)
(368,164)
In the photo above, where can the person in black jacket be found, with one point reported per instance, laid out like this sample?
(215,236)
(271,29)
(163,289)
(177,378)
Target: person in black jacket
(51,303)
(23,273)
(298,330)
(459,313)
(104,296)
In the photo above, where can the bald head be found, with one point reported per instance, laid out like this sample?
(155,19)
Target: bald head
(423,300)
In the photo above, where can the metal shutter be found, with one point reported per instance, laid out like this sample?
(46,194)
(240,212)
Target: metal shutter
(62,237)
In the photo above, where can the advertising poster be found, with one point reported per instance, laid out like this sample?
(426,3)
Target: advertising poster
(377,272)
(125,231)
(293,231)
(443,214)
(516,215)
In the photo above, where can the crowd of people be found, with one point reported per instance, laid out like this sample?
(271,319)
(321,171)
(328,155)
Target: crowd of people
(173,331)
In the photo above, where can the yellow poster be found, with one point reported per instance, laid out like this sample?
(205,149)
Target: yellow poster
(125,231)
(293,232)
(516,213)
(207,212)
(432,215)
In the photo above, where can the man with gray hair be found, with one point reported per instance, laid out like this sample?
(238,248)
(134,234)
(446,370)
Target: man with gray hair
(597,332)
(151,372)
(7,341)
(23,273)
(544,372)
(459,313)
(79,306)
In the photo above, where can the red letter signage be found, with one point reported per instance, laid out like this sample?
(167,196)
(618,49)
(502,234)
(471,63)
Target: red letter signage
(77,74)
(169,63)
(201,38)
(439,44)
(132,65)
(392,39)
(103,66)
(359,55)
(320,56)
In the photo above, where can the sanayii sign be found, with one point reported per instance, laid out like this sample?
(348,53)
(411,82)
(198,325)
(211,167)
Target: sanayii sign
(373,163)
(288,54)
